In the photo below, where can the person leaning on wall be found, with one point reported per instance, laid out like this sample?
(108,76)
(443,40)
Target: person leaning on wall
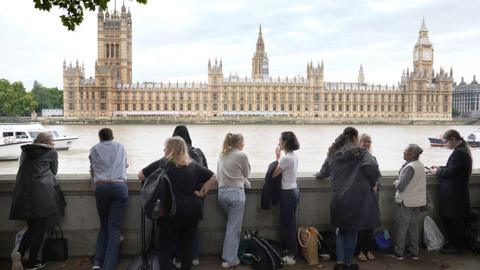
(33,197)
(454,178)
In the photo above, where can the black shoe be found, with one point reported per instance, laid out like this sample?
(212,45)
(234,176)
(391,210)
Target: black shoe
(340,266)
(451,251)
(353,266)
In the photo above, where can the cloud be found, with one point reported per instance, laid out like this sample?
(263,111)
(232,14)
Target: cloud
(172,40)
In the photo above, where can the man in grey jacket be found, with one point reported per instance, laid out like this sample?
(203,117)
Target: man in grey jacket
(411,197)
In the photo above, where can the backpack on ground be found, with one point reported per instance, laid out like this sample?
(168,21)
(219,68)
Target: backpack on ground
(473,230)
(328,245)
(157,198)
(260,253)
(432,236)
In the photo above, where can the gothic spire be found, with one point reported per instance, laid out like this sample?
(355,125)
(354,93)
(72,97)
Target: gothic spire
(423,34)
(260,44)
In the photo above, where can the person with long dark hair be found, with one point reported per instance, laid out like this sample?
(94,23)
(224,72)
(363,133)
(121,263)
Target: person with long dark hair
(454,178)
(353,172)
(33,197)
(289,194)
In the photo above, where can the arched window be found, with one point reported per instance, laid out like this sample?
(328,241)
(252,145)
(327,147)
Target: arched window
(107,50)
(117,55)
(112,51)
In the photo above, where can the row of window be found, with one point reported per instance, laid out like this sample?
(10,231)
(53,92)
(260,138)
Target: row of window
(112,50)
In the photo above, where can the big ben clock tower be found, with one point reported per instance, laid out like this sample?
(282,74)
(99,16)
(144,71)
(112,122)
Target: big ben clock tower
(423,54)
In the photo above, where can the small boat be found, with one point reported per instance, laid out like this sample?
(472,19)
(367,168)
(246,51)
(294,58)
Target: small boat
(436,142)
(473,139)
(13,136)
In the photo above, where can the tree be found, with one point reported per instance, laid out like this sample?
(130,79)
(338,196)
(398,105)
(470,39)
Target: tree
(47,98)
(15,101)
(74,9)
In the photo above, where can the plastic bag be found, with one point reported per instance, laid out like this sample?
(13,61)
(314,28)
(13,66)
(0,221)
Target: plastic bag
(432,236)
(382,241)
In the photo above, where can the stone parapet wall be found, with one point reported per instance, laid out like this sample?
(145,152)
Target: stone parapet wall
(81,223)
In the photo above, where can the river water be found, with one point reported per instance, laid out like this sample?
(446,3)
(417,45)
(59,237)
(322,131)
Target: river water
(145,143)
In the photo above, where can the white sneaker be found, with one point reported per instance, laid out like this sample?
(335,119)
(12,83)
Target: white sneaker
(16,261)
(227,265)
(195,262)
(178,265)
(289,260)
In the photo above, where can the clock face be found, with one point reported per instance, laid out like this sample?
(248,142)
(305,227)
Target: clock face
(426,55)
(416,55)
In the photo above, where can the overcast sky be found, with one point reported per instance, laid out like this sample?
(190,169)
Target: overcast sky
(173,40)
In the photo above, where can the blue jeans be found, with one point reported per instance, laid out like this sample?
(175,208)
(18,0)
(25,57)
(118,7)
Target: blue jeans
(111,206)
(232,202)
(346,243)
(288,225)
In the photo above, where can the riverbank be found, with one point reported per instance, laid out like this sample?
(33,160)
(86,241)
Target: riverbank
(173,120)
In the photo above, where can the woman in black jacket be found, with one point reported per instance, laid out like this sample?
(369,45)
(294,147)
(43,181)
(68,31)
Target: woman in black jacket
(454,194)
(353,207)
(33,197)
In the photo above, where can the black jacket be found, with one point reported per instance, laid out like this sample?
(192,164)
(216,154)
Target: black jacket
(34,194)
(454,178)
(271,187)
(353,172)
(195,153)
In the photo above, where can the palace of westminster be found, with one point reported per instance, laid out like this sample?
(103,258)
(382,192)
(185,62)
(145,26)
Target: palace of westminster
(420,95)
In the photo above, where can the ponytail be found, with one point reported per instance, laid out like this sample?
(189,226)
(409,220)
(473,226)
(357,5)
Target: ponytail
(231,142)
(349,134)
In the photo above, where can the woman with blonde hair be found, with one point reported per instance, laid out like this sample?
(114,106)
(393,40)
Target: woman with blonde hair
(232,170)
(190,182)
(365,237)
(33,198)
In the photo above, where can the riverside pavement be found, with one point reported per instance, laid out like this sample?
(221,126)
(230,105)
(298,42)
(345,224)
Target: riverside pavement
(427,261)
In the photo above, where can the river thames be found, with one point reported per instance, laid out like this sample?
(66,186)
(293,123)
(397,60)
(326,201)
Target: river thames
(144,144)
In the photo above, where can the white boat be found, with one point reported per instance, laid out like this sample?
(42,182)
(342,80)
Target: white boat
(12,136)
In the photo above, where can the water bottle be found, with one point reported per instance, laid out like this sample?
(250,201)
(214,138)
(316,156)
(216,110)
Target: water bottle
(156,210)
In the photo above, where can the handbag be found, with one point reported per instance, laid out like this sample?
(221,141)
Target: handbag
(60,200)
(55,247)
(308,239)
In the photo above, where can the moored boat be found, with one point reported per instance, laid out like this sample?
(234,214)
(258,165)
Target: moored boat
(13,136)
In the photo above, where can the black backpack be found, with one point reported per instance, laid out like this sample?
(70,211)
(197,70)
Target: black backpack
(473,230)
(156,197)
(328,241)
(260,253)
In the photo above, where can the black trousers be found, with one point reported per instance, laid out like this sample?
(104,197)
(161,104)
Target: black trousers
(33,238)
(364,241)
(455,231)
(170,233)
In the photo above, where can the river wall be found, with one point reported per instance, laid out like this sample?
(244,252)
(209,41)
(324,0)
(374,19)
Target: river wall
(81,223)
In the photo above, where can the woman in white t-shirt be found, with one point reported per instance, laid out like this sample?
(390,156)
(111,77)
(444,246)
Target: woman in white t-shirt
(289,194)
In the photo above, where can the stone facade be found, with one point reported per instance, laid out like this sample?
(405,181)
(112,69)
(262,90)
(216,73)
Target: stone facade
(421,94)
(466,99)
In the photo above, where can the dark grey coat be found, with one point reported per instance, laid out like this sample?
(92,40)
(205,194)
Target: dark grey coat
(353,172)
(454,178)
(34,193)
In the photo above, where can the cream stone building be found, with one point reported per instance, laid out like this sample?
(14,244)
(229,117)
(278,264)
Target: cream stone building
(420,95)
